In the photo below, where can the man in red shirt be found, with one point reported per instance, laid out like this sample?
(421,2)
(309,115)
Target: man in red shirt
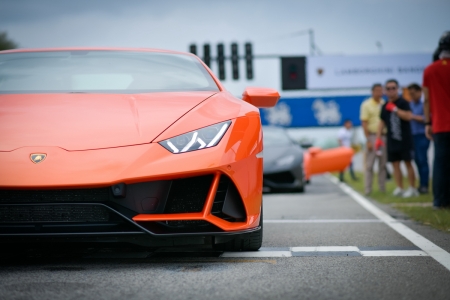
(436,87)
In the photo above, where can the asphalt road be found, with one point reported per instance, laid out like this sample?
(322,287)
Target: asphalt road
(318,245)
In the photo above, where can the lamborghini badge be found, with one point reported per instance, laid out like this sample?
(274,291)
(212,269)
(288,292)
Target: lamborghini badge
(38,157)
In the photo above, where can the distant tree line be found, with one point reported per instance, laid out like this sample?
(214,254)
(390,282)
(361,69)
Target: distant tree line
(5,42)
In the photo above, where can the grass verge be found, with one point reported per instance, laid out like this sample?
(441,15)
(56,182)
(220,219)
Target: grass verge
(418,208)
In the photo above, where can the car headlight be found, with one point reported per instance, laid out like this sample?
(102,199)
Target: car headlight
(206,137)
(285,160)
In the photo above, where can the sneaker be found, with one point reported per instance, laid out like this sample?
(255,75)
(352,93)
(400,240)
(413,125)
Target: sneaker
(398,192)
(410,192)
(423,190)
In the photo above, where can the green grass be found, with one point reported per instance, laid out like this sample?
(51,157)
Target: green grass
(418,208)
(439,219)
(384,197)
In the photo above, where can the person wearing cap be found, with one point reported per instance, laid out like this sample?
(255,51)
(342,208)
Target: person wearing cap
(396,116)
(436,89)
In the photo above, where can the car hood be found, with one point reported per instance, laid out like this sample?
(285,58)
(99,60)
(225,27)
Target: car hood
(90,121)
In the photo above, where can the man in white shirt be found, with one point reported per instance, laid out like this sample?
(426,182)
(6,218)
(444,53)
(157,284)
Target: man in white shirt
(345,140)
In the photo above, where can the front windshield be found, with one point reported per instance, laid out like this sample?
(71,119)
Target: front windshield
(102,72)
(275,137)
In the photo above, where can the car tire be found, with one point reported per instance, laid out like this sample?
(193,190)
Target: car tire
(246,242)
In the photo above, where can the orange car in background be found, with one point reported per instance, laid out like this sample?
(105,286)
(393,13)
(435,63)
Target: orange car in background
(130,145)
(317,161)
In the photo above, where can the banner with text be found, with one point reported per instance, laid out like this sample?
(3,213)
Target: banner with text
(329,72)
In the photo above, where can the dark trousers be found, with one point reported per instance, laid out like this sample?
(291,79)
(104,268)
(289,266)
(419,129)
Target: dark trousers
(352,173)
(421,144)
(441,169)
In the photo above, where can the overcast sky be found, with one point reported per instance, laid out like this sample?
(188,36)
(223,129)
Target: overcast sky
(341,27)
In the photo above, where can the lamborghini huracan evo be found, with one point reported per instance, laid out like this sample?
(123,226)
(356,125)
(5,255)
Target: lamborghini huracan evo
(137,146)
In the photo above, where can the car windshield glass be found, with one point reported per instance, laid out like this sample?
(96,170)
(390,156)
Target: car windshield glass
(275,138)
(102,72)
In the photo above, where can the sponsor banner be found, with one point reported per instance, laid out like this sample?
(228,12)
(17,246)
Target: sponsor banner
(313,111)
(329,72)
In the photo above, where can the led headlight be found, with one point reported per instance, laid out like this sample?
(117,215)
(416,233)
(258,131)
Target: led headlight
(206,137)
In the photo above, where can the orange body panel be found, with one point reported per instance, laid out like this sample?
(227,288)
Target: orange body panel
(125,164)
(82,122)
(318,161)
(235,156)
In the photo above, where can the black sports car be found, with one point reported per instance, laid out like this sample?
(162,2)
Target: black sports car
(283,161)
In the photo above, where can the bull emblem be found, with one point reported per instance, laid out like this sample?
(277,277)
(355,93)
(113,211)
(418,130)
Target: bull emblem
(38,157)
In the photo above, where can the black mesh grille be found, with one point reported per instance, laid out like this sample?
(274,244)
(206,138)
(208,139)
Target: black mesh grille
(51,196)
(282,177)
(188,195)
(52,213)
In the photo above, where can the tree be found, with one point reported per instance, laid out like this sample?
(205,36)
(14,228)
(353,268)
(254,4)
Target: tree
(6,43)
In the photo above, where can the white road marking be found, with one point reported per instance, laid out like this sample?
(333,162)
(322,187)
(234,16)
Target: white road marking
(394,253)
(326,249)
(324,221)
(321,251)
(258,254)
(436,252)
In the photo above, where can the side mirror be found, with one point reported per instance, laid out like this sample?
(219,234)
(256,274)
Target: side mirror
(314,150)
(305,144)
(261,97)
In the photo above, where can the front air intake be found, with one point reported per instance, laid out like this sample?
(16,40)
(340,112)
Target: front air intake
(188,195)
(228,202)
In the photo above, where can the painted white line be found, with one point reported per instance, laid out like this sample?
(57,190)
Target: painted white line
(323,221)
(394,253)
(258,254)
(326,249)
(321,251)
(436,252)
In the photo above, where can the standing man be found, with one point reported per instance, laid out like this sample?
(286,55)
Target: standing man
(345,140)
(436,88)
(370,119)
(395,115)
(421,143)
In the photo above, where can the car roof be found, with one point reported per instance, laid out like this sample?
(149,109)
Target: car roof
(93,49)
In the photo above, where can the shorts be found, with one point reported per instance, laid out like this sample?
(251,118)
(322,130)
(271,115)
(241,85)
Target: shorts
(405,155)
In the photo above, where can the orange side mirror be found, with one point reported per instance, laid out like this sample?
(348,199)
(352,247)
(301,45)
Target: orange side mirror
(261,97)
(314,150)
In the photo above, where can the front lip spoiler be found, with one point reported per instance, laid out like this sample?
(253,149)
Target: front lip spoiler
(121,233)
(74,234)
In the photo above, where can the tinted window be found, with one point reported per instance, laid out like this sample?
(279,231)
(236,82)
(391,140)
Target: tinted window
(102,72)
(274,137)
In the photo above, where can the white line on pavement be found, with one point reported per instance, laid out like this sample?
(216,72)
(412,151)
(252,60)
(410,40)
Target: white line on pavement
(326,249)
(322,251)
(324,221)
(258,254)
(436,252)
(394,253)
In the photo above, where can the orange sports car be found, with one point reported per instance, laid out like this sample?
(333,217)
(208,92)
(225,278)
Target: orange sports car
(127,145)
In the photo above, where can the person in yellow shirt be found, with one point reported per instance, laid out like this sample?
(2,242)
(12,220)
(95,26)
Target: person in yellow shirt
(370,120)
